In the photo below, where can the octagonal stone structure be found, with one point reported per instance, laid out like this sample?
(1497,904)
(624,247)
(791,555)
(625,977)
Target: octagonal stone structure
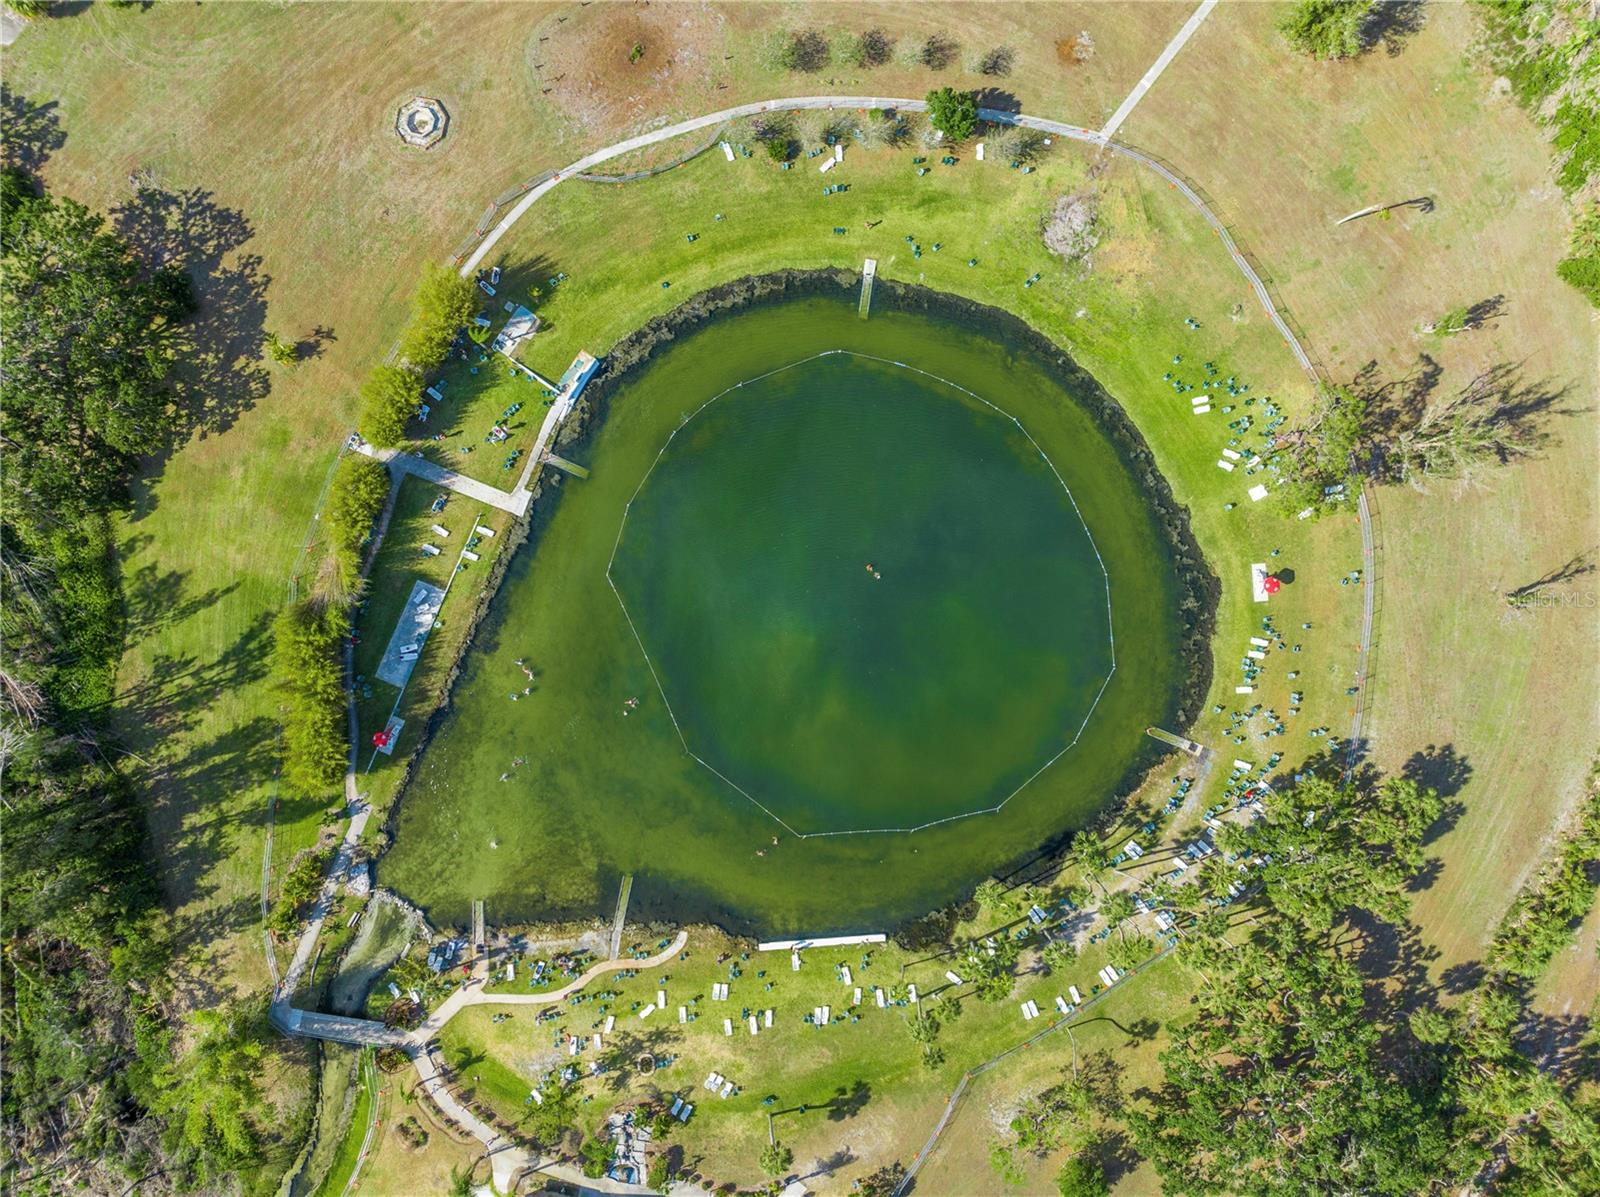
(422,122)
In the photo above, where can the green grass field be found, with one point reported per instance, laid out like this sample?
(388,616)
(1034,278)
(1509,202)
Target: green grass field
(860,1077)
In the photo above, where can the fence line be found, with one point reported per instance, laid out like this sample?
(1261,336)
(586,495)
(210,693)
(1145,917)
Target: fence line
(651,172)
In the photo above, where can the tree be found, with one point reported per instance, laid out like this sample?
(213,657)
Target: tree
(659,1176)
(883,1182)
(1090,857)
(212,1095)
(596,1155)
(443,303)
(1117,908)
(989,966)
(308,670)
(281,351)
(1058,955)
(1324,848)
(1129,951)
(804,50)
(1481,424)
(549,1124)
(1280,1086)
(954,113)
(460,1181)
(389,398)
(1059,1117)
(357,494)
(1326,28)
(1322,454)
(989,894)
(90,343)
(776,1159)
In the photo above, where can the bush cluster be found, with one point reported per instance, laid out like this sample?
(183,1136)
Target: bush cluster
(299,888)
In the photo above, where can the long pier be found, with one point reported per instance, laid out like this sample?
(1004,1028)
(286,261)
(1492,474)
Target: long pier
(869,271)
(621,917)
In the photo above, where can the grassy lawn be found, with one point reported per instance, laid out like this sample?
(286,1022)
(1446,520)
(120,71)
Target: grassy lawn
(401,563)
(1287,146)
(860,1078)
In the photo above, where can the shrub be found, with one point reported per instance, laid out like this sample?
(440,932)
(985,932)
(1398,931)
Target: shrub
(300,886)
(877,47)
(1581,267)
(996,62)
(281,351)
(443,303)
(389,399)
(938,52)
(1073,228)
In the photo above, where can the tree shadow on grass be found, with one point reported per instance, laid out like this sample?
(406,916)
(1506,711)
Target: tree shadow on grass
(154,599)
(220,373)
(1392,23)
(32,131)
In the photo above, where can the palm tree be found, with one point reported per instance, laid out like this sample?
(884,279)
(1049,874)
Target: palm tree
(1092,859)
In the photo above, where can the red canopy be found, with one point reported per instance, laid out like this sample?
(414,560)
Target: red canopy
(380,739)
(1271,584)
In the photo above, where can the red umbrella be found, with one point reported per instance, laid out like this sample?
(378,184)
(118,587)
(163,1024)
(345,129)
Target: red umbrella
(1271,584)
(380,739)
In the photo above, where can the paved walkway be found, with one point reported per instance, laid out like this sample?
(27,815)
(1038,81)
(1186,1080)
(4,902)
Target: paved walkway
(1160,64)
(330,886)
(516,502)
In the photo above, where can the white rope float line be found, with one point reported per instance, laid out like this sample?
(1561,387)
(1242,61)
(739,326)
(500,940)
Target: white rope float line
(661,689)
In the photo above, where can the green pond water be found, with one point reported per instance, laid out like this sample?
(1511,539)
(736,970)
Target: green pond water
(899,730)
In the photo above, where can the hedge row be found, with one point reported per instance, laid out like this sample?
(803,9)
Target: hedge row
(359,490)
(306,667)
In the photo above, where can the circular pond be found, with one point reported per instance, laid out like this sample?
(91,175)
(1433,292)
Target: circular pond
(825,638)
(866,595)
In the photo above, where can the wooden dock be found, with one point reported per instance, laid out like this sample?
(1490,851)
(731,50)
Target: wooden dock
(570,467)
(1175,741)
(869,271)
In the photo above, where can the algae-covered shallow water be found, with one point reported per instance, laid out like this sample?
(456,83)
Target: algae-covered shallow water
(715,568)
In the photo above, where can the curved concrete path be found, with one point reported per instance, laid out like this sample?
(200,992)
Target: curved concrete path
(472,993)
(813,103)
(506,1159)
